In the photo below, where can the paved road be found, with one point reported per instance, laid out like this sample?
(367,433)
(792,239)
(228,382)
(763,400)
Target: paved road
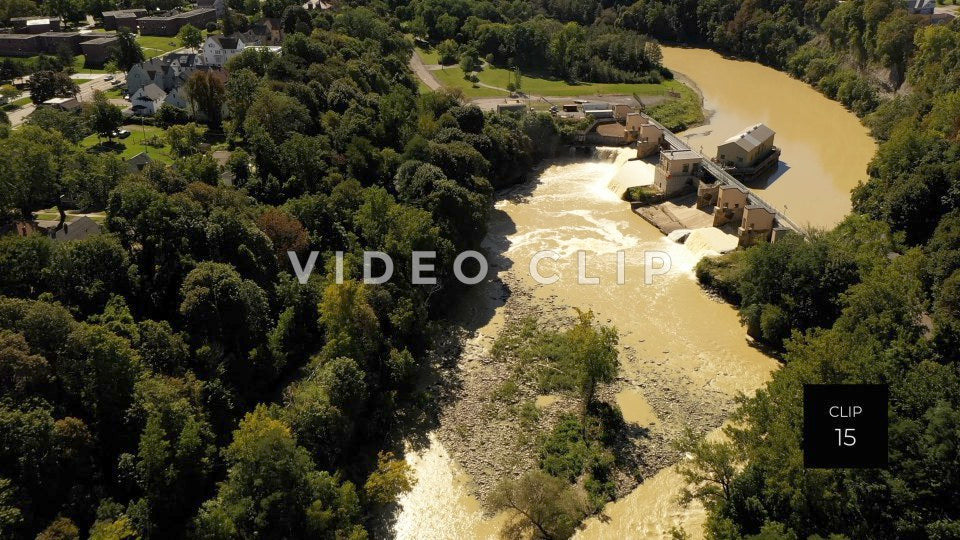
(416,64)
(85,94)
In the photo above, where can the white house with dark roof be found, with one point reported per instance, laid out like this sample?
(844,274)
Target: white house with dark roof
(167,72)
(147,100)
(219,48)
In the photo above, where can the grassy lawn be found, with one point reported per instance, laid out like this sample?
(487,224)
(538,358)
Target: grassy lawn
(132,145)
(423,88)
(681,113)
(81,81)
(157,45)
(428,56)
(78,62)
(115,93)
(15,104)
(51,214)
(453,76)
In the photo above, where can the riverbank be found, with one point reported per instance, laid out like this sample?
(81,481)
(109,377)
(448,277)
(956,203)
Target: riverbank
(491,433)
(675,372)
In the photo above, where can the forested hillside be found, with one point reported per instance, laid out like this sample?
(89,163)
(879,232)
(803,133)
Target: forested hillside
(873,301)
(170,378)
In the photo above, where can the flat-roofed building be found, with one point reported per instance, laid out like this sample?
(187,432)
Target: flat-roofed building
(35,25)
(757,225)
(20,45)
(169,25)
(649,136)
(54,42)
(731,201)
(62,103)
(676,170)
(123,18)
(96,52)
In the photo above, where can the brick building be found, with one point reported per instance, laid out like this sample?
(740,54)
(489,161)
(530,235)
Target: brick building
(169,25)
(96,52)
(123,18)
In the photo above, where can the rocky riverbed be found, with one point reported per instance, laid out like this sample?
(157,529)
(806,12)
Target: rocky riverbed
(488,437)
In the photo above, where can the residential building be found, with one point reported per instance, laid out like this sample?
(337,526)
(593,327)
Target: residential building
(317,4)
(217,5)
(170,24)
(35,25)
(97,52)
(165,77)
(138,162)
(123,18)
(746,149)
(267,32)
(46,43)
(62,103)
(20,45)
(217,49)
(147,100)
(54,42)
(78,229)
(676,170)
(168,71)
(177,98)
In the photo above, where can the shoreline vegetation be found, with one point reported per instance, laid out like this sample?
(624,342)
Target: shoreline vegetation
(166,378)
(496,425)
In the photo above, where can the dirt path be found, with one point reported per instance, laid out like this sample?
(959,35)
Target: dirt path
(418,67)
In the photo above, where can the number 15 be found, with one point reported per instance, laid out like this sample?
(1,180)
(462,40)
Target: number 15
(845,437)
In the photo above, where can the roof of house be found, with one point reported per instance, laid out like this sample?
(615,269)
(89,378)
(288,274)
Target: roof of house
(140,159)
(226,42)
(752,137)
(152,92)
(77,229)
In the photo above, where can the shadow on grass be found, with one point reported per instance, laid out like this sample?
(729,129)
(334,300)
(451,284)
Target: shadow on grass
(104,147)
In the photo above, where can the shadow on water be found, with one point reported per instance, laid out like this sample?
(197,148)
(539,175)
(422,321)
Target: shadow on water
(767,181)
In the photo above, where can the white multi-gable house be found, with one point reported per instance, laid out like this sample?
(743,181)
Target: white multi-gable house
(218,49)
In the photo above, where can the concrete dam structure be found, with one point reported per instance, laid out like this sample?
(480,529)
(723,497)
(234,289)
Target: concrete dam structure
(724,201)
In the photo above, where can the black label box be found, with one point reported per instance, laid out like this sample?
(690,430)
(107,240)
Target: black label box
(845,425)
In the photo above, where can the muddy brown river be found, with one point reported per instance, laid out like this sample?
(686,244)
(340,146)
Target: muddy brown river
(679,339)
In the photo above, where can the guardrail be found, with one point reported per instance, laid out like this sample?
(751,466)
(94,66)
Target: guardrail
(725,177)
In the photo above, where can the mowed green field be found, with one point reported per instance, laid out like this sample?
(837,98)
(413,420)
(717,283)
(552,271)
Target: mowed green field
(157,45)
(452,76)
(132,145)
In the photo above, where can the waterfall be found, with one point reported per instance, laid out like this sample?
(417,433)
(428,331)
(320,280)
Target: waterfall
(614,154)
(709,241)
